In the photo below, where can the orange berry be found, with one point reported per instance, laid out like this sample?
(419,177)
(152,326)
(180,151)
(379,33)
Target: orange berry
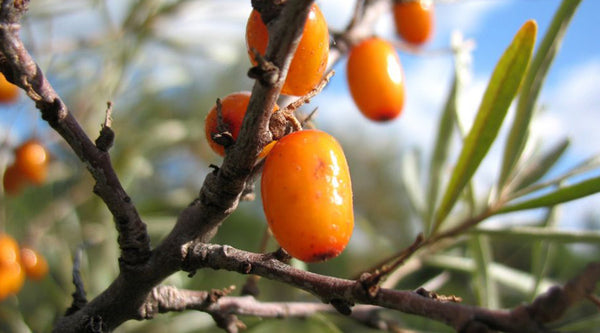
(376,79)
(13,181)
(35,265)
(11,272)
(32,161)
(307,195)
(233,110)
(414,20)
(310,60)
(9,251)
(11,279)
(8,91)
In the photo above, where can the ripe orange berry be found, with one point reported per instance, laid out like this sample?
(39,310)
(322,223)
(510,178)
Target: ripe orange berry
(376,79)
(13,181)
(414,20)
(12,278)
(9,251)
(307,195)
(233,110)
(8,91)
(310,60)
(35,265)
(11,273)
(32,161)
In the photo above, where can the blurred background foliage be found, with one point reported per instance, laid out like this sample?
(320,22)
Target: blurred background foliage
(163,64)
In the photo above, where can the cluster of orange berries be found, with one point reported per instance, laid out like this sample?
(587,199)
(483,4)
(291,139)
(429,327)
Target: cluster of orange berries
(374,73)
(31,158)
(305,186)
(30,167)
(17,263)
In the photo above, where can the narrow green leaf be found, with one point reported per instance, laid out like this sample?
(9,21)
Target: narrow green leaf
(532,85)
(563,194)
(515,279)
(487,291)
(542,252)
(538,168)
(583,167)
(411,179)
(531,234)
(440,153)
(501,90)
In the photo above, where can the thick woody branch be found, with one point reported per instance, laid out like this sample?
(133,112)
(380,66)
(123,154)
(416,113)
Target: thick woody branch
(20,68)
(526,318)
(164,299)
(220,193)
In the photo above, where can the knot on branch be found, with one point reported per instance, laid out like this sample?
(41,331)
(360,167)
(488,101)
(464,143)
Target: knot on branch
(12,11)
(264,72)
(107,135)
(549,306)
(95,324)
(370,283)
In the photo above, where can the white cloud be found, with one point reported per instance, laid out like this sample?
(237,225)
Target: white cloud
(571,108)
(466,16)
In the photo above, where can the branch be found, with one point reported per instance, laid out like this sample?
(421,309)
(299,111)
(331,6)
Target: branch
(526,318)
(219,195)
(20,68)
(165,299)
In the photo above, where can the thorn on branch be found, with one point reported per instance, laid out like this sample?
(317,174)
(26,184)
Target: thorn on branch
(223,136)
(284,121)
(107,136)
(381,271)
(265,71)
(293,106)
(309,117)
(79,296)
(282,255)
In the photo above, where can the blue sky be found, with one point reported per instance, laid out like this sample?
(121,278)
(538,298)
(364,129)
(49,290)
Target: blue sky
(570,99)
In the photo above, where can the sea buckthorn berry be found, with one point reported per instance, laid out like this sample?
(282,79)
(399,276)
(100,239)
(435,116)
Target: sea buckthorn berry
(11,279)
(34,264)
(376,79)
(414,20)
(11,272)
(233,110)
(8,91)
(310,60)
(32,161)
(307,195)
(13,181)
(9,251)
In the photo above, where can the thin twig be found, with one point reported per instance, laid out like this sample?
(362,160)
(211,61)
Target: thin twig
(79,295)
